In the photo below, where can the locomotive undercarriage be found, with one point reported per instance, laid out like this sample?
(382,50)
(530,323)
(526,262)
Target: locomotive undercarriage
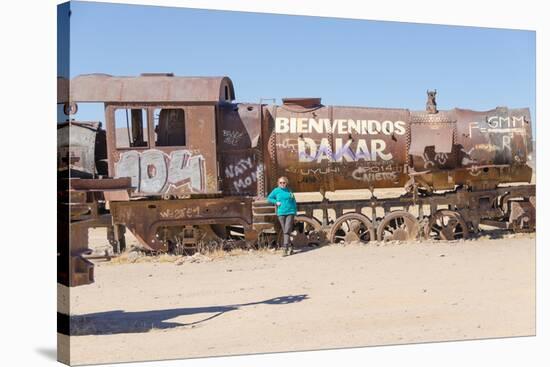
(449,215)
(197,225)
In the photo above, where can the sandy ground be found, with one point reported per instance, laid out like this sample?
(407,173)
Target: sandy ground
(331,297)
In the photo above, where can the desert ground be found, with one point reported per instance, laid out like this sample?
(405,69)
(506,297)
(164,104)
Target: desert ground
(329,297)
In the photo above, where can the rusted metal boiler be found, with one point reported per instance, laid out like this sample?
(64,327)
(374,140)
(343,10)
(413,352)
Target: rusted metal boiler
(328,148)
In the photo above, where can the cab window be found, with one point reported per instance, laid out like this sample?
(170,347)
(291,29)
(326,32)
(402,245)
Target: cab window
(131,127)
(169,127)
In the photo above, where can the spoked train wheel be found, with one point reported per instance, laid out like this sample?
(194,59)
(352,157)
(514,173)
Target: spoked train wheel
(398,226)
(352,227)
(446,225)
(306,232)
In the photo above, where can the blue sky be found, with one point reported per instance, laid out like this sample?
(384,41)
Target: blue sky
(346,62)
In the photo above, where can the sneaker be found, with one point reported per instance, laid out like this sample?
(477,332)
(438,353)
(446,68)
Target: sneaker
(290,251)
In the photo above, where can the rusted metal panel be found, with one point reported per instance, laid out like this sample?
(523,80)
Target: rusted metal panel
(433,149)
(239,173)
(499,136)
(250,117)
(154,88)
(76,147)
(330,148)
(167,170)
(101,184)
(144,217)
(308,102)
(381,132)
(238,126)
(424,135)
(444,139)
(432,118)
(238,135)
(81,271)
(116,195)
(490,147)
(288,155)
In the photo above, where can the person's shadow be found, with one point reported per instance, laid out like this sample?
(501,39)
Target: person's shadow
(118,321)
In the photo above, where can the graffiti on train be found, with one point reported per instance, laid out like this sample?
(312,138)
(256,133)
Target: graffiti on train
(242,174)
(501,129)
(153,171)
(345,149)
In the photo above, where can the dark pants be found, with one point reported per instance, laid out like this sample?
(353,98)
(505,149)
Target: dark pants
(287,225)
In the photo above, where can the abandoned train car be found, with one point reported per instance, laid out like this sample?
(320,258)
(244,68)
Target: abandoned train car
(185,164)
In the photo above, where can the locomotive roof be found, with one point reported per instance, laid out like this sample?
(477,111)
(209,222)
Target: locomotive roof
(145,88)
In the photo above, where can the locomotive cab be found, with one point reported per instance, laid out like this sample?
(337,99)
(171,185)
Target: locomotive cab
(177,138)
(161,129)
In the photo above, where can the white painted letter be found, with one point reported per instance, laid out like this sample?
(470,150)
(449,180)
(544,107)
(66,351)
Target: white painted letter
(281,125)
(400,127)
(377,148)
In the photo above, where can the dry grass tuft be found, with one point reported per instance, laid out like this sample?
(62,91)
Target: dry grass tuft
(202,256)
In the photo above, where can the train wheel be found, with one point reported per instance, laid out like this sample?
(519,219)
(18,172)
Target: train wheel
(186,240)
(523,215)
(446,225)
(229,237)
(306,232)
(398,226)
(352,227)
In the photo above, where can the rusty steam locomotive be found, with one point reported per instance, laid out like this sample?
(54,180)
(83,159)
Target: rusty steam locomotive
(181,165)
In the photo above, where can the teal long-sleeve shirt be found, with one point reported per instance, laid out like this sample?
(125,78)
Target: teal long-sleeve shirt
(286,198)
